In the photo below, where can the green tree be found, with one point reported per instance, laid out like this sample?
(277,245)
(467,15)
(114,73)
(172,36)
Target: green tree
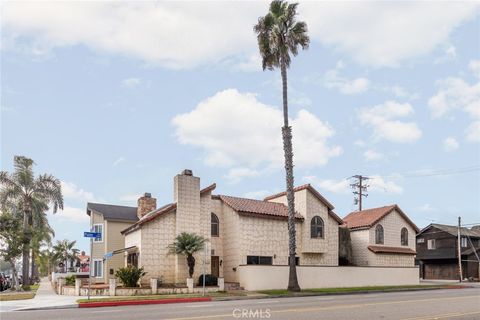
(65,251)
(279,35)
(188,244)
(130,275)
(45,261)
(23,188)
(11,237)
(42,234)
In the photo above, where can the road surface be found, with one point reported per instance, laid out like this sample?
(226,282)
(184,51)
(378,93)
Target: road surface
(411,305)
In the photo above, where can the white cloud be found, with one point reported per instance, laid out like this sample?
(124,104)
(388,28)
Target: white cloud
(383,120)
(473,132)
(236,130)
(331,185)
(130,197)
(346,86)
(118,161)
(235,175)
(398,31)
(377,183)
(474,66)
(450,144)
(260,194)
(223,30)
(72,214)
(131,82)
(372,155)
(72,191)
(400,92)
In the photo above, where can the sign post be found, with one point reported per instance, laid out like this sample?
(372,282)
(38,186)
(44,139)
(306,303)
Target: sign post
(91,235)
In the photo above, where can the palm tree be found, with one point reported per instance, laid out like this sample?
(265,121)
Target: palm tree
(42,234)
(65,251)
(188,244)
(279,35)
(23,188)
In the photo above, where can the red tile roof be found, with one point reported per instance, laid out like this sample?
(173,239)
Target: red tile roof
(258,207)
(397,250)
(365,219)
(307,186)
(149,217)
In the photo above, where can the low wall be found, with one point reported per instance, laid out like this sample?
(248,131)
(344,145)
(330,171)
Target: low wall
(119,291)
(255,277)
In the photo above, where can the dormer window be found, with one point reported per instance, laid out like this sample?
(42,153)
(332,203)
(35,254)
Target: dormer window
(379,234)
(316,227)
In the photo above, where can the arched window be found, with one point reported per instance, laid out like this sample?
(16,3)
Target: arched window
(404,237)
(379,234)
(215,226)
(316,227)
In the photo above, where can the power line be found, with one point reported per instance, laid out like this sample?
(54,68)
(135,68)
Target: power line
(360,189)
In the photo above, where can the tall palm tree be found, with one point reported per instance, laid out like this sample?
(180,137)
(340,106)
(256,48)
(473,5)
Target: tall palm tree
(65,251)
(188,244)
(42,234)
(23,188)
(279,35)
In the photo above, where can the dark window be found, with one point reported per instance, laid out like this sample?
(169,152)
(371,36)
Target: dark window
(404,237)
(316,227)
(379,234)
(215,225)
(132,259)
(259,260)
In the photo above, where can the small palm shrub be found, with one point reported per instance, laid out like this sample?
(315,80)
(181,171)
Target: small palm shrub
(130,275)
(70,280)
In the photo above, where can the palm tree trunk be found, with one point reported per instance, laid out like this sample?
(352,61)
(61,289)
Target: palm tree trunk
(14,275)
(288,151)
(34,266)
(26,248)
(191,265)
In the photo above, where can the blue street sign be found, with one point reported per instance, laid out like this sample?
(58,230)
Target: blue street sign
(92,234)
(108,255)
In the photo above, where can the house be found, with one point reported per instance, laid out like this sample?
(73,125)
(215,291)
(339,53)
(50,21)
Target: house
(382,236)
(108,220)
(240,231)
(437,252)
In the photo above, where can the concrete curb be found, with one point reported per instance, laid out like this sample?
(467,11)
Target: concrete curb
(65,306)
(140,302)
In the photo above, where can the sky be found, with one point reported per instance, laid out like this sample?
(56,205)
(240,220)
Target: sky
(115,98)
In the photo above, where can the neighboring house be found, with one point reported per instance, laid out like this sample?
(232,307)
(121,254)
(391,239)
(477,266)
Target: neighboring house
(437,252)
(240,231)
(382,236)
(108,220)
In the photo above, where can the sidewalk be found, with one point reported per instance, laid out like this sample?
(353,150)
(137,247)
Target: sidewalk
(45,298)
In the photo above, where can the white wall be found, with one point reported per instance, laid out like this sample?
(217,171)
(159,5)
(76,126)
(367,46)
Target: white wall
(276,277)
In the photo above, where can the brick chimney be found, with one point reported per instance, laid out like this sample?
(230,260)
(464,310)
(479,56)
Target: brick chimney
(146,204)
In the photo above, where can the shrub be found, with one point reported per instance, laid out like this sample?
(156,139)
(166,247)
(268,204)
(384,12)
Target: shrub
(70,280)
(210,280)
(130,275)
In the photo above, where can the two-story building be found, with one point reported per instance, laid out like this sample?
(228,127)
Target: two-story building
(437,252)
(382,236)
(108,220)
(240,231)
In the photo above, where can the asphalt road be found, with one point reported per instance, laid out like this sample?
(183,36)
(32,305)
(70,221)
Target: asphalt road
(412,305)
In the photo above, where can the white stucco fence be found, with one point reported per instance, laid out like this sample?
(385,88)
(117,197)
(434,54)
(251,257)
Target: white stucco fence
(255,277)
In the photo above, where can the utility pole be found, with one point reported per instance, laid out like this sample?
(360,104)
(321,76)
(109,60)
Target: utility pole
(459,249)
(360,189)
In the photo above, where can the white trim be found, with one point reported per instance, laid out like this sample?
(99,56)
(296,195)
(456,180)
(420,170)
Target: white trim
(102,232)
(101,269)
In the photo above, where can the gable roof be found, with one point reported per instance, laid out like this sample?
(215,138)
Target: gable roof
(365,219)
(453,230)
(258,207)
(112,212)
(308,187)
(149,217)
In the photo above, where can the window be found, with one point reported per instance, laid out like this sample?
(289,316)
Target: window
(259,260)
(431,244)
(420,240)
(379,234)
(463,242)
(98,228)
(97,268)
(215,225)
(132,259)
(316,227)
(404,237)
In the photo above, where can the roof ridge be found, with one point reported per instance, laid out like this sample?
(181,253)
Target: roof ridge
(107,204)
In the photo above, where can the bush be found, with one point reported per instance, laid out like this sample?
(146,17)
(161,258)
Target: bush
(210,280)
(70,280)
(130,275)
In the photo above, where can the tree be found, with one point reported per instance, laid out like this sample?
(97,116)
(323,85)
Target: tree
(23,188)
(188,244)
(11,237)
(278,36)
(65,251)
(42,234)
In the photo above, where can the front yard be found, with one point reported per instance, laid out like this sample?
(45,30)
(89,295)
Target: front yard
(19,295)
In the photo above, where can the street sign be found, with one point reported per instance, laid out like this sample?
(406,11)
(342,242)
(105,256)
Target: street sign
(108,255)
(92,234)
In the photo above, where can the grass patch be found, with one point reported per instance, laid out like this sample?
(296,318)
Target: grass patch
(282,292)
(157,297)
(20,295)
